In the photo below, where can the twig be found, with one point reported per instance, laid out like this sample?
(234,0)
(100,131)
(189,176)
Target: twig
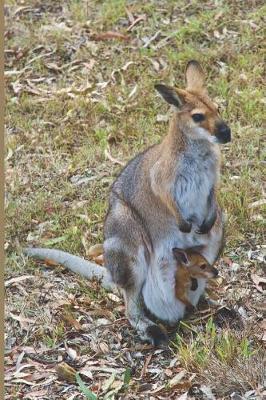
(137,20)
(114,160)
(154,37)
(145,366)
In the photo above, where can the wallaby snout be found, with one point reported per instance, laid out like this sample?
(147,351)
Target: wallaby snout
(222,132)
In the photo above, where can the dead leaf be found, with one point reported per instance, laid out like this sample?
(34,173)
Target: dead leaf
(36,394)
(183,396)
(11,281)
(212,294)
(53,67)
(168,372)
(145,366)
(86,372)
(95,250)
(208,392)
(113,297)
(218,15)
(104,347)
(24,322)
(109,35)
(162,118)
(66,373)
(24,381)
(101,313)
(19,360)
(177,378)
(50,263)
(259,282)
(68,317)
(71,352)
(257,203)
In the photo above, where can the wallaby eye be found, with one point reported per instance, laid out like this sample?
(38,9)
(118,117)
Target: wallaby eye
(198,117)
(203,266)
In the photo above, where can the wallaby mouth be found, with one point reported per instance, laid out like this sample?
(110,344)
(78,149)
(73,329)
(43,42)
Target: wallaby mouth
(222,133)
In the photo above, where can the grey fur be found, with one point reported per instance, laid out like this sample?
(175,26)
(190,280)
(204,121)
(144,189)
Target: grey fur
(196,175)
(76,264)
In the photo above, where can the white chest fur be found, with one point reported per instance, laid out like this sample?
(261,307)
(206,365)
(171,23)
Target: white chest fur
(197,174)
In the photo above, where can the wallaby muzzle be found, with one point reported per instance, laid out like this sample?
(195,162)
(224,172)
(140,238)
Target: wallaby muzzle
(222,132)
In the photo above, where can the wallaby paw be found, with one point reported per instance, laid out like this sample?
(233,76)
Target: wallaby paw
(204,229)
(185,226)
(206,226)
(157,336)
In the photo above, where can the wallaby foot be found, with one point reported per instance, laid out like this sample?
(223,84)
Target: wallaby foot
(157,336)
(147,330)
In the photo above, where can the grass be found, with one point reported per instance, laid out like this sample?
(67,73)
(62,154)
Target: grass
(69,106)
(231,357)
(225,347)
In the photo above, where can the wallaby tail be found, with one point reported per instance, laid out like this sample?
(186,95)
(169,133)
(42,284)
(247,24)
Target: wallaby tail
(76,264)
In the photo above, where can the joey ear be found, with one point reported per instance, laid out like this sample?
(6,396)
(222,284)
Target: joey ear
(169,94)
(180,255)
(195,76)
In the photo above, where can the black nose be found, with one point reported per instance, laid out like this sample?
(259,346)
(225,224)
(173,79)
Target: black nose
(222,132)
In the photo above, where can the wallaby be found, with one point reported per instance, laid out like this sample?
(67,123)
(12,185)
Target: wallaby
(190,264)
(165,198)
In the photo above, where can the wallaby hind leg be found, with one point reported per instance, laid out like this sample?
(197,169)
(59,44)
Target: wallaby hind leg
(129,273)
(146,329)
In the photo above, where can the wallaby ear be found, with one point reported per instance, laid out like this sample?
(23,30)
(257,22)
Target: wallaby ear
(194,76)
(180,256)
(169,94)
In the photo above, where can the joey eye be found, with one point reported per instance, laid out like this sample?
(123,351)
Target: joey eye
(198,117)
(203,266)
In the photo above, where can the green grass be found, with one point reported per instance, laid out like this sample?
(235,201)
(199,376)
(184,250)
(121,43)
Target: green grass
(221,355)
(225,346)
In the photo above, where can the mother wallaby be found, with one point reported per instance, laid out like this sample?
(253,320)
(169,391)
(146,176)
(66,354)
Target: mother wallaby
(164,198)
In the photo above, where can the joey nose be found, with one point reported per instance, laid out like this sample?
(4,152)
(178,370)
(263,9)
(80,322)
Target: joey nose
(222,132)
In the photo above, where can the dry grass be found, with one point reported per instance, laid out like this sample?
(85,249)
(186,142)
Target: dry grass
(69,98)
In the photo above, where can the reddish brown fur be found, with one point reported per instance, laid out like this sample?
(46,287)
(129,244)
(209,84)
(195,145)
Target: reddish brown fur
(175,142)
(184,273)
